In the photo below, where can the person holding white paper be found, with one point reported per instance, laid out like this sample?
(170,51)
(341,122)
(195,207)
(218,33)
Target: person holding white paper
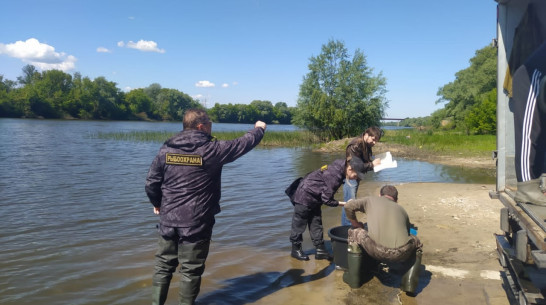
(359,155)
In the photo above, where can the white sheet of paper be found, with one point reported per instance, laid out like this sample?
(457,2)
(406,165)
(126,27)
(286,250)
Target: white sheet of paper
(386,162)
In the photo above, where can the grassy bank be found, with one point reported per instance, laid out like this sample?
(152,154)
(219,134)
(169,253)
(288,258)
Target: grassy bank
(432,142)
(442,142)
(414,143)
(271,138)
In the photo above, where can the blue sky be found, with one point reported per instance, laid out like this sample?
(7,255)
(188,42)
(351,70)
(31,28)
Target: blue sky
(240,51)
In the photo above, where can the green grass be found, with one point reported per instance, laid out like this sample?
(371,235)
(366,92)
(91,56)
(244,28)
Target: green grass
(442,142)
(271,138)
(436,142)
(135,136)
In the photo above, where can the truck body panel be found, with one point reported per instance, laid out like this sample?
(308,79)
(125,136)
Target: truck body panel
(522,247)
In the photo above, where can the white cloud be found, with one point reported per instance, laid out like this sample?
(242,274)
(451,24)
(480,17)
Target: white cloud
(127,89)
(204,84)
(224,85)
(197,96)
(103,50)
(40,55)
(142,45)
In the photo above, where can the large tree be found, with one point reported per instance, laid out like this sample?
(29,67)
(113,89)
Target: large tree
(169,104)
(470,88)
(282,113)
(264,110)
(53,90)
(138,101)
(482,117)
(340,96)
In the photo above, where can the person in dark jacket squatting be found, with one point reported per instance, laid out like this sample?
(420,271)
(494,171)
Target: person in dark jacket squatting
(387,238)
(307,194)
(183,185)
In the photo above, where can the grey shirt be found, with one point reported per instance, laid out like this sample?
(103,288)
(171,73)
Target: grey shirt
(388,222)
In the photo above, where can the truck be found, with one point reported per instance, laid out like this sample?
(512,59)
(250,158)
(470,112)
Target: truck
(521,247)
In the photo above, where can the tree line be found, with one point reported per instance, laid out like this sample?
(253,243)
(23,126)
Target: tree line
(54,94)
(57,95)
(339,97)
(265,111)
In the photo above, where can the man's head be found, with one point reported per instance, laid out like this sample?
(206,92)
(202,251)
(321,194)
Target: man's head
(372,135)
(350,173)
(197,119)
(389,191)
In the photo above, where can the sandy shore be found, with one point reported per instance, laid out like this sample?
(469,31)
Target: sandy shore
(456,223)
(484,161)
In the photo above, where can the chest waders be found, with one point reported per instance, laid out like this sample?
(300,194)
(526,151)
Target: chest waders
(191,257)
(358,261)
(410,280)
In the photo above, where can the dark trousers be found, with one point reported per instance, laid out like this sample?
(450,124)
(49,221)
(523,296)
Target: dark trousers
(174,249)
(306,217)
(529,123)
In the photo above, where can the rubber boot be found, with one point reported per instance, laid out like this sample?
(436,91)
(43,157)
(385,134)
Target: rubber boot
(297,253)
(353,275)
(530,191)
(322,253)
(410,280)
(159,293)
(192,259)
(166,261)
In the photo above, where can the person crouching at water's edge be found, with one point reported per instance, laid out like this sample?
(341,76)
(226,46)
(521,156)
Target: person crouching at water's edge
(387,237)
(307,194)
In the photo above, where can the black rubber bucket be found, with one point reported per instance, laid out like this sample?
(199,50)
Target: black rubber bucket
(339,236)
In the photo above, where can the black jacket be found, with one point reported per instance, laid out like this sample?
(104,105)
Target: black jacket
(359,156)
(319,186)
(184,180)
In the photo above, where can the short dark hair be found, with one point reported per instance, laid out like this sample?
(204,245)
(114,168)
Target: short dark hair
(374,131)
(194,117)
(389,190)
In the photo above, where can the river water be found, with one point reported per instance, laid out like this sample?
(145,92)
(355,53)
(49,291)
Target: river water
(77,227)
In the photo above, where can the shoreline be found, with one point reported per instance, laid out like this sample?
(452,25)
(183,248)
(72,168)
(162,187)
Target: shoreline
(415,153)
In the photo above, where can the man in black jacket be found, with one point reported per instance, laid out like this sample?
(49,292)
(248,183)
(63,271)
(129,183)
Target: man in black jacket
(183,185)
(359,155)
(307,195)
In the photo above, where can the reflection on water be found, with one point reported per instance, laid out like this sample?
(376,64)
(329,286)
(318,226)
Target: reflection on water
(77,227)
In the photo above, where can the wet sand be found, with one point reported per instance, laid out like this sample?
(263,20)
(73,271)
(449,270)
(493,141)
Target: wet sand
(456,224)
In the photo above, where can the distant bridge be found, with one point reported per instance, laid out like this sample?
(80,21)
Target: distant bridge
(391,119)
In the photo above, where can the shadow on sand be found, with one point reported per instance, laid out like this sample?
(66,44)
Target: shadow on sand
(394,279)
(250,288)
